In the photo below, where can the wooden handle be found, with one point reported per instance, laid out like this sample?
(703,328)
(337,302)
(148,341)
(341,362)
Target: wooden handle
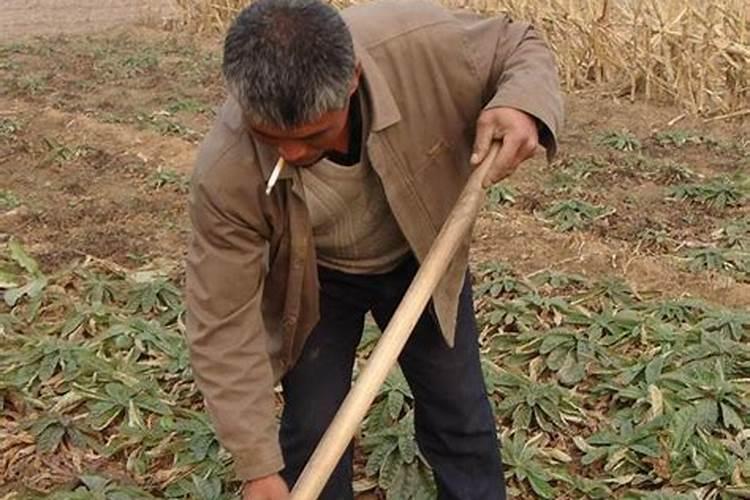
(384,356)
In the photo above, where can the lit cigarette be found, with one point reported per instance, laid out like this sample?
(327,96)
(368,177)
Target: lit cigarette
(274,175)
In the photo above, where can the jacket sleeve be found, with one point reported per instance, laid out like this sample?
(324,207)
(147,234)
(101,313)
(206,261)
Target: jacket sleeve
(226,337)
(519,71)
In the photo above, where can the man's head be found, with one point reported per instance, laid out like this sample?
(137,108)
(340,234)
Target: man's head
(291,66)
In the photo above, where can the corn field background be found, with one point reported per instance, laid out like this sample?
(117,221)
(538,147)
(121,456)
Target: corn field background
(695,52)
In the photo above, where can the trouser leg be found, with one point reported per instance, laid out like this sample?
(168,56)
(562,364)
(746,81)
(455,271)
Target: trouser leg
(455,428)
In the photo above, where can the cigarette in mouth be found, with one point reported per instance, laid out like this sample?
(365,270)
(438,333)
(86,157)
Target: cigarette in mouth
(274,175)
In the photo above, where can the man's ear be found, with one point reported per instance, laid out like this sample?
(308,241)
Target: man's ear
(354,85)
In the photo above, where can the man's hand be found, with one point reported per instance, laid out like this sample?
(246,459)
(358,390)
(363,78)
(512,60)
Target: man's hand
(518,133)
(270,487)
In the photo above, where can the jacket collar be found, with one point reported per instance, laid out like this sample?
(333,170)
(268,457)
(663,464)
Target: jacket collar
(382,105)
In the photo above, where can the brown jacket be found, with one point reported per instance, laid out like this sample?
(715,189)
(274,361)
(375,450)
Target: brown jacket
(252,290)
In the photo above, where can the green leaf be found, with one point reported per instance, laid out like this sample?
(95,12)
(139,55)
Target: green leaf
(522,417)
(119,393)
(32,289)
(47,366)
(571,372)
(72,324)
(654,369)
(389,470)
(395,403)
(646,450)
(49,439)
(94,483)
(682,428)
(200,445)
(397,489)
(557,357)
(730,417)
(377,457)
(594,455)
(552,342)
(408,448)
(540,484)
(207,489)
(23,259)
(103,413)
(426,489)
(76,437)
(707,412)
(706,477)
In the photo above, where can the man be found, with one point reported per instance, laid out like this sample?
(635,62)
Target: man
(378,112)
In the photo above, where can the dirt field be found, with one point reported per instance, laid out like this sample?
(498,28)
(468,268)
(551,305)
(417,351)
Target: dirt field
(89,124)
(23,19)
(98,133)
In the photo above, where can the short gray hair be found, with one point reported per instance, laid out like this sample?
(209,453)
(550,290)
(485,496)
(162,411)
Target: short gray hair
(288,61)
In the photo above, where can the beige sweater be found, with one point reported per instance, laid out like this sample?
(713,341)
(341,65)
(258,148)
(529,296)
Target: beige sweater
(353,227)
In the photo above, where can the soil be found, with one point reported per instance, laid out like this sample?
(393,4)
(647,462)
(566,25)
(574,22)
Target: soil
(130,104)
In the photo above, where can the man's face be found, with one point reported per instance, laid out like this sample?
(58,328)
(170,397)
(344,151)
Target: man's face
(306,144)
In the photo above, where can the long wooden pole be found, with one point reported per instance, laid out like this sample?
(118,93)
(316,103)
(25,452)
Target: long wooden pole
(384,356)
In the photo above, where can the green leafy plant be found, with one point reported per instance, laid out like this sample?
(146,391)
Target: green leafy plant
(32,85)
(60,154)
(677,138)
(165,178)
(718,193)
(710,400)
(51,431)
(8,128)
(395,461)
(709,463)
(187,105)
(680,311)
(567,352)
(101,289)
(735,234)
(558,280)
(117,400)
(624,446)
(495,279)
(8,200)
(512,315)
(526,402)
(608,290)
(733,323)
(139,63)
(522,461)
(574,214)
(154,294)
(499,195)
(164,123)
(98,488)
(572,174)
(622,141)
(676,173)
(35,283)
(609,327)
(651,238)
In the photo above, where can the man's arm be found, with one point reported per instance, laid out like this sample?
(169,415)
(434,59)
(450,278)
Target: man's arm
(523,103)
(226,335)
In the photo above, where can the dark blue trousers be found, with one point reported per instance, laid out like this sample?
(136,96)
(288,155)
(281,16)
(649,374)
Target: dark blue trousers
(455,428)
